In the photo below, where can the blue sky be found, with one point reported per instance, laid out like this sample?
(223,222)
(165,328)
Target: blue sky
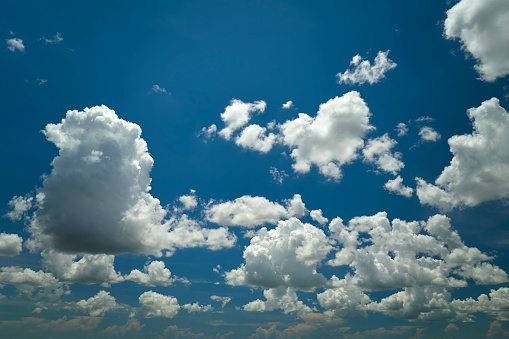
(254,169)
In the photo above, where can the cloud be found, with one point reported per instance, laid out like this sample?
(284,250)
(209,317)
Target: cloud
(222,300)
(120,330)
(10,244)
(317,216)
(479,169)
(279,298)
(19,206)
(378,152)
(344,300)
(158,89)
(285,256)
(287,105)
(429,134)
(154,274)
(208,133)
(196,307)
(396,186)
(494,304)
(496,330)
(451,328)
(42,81)
(365,72)
(238,114)
(15,44)
(101,179)
(254,137)
(153,304)
(99,304)
(34,285)
(248,211)
(277,175)
(189,201)
(481,27)
(402,129)
(332,138)
(55,40)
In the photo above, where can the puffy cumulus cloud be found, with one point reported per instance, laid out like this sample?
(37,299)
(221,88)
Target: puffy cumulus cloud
(248,211)
(222,300)
(495,304)
(196,307)
(285,256)
(396,186)
(378,152)
(481,26)
(317,216)
(35,285)
(284,298)
(287,105)
(254,137)
(154,274)
(153,304)
(15,44)
(99,304)
(89,269)
(10,244)
(429,134)
(96,199)
(189,201)
(332,138)
(402,129)
(345,300)
(19,207)
(238,114)
(479,169)
(363,71)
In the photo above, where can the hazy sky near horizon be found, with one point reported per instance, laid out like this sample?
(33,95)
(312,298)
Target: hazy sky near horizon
(234,169)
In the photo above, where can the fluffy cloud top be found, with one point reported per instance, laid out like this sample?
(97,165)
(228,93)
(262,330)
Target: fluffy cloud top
(364,72)
(101,179)
(429,134)
(402,129)
(153,304)
(332,138)
(279,298)
(15,44)
(481,26)
(479,169)
(237,114)
(254,137)
(287,105)
(396,186)
(10,244)
(378,152)
(250,211)
(99,304)
(155,274)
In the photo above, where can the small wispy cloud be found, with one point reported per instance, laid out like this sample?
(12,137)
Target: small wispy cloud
(287,105)
(363,71)
(55,40)
(42,81)
(158,89)
(15,44)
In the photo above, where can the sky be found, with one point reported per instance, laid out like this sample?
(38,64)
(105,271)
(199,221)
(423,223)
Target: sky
(254,169)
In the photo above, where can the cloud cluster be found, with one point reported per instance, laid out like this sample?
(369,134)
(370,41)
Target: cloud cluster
(99,304)
(364,72)
(238,114)
(10,244)
(481,26)
(15,44)
(378,152)
(479,169)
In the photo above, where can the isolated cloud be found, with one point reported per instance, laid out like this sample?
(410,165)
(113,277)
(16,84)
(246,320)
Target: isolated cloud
(332,138)
(208,133)
(238,114)
(248,211)
(19,207)
(481,26)
(153,304)
(15,44)
(55,40)
(396,186)
(287,105)
(158,89)
(222,300)
(154,274)
(278,175)
(479,169)
(10,244)
(378,152)
(285,256)
(363,71)
(99,304)
(196,307)
(429,134)
(402,129)
(96,199)
(254,137)
(189,201)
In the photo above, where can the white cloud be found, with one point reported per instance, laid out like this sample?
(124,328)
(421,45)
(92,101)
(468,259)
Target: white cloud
(279,298)
(208,133)
(101,179)
(19,206)
(158,89)
(424,118)
(287,105)
(89,269)
(153,304)
(317,216)
(238,114)
(254,137)
(479,169)
(154,274)
(378,152)
(332,138)
(35,285)
(481,26)
(189,201)
(344,300)
(42,81)
(55,40)
(15,44)
(277,175)
(429,134)
(365,72)
(396,186)
(196,307)
(285,256)
(495,304)
(402,129)
(250,211)
(99,304)
(222,300)
(10,244)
